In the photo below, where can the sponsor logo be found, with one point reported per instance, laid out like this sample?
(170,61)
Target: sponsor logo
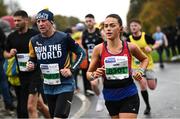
(110,60)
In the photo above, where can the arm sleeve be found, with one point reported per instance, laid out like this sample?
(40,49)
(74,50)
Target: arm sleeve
(74,47)
(2,38)
(83,40)
(7,45)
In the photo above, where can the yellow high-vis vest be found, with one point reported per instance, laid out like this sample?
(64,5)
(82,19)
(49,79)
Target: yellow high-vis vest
(142,44)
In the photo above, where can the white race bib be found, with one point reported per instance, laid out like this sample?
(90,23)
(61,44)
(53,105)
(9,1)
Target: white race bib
(90,54)
(51,74)
(90,50)
(116,67)
(22,60)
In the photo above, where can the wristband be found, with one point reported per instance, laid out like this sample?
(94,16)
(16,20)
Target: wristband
(142,71)
(92,77)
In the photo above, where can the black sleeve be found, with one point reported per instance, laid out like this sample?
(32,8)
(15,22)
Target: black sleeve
(74,47)
(8,43)
(83,40)
(2,39)
(149,39)
(100,39)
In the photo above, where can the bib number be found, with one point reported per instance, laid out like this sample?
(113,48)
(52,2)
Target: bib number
(22,60)
(116,67)
(51,74)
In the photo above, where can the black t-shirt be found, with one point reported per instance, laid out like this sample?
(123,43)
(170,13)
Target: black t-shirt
(90,40)
(2,40)
(21,43)
(149,39)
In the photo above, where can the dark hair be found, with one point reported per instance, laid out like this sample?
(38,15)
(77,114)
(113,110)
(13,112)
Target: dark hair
(21,13)
(68,30)
(116,17)
(135,20)
(90,16)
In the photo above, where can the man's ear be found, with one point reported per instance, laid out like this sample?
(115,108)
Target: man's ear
(121,28)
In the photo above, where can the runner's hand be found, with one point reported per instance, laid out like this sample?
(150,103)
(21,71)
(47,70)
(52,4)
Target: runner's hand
(148,49)
(99,72)
(13,52)
(30,66)
(66,72)
(137,75)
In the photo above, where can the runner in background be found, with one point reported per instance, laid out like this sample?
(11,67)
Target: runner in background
(4,87)
(161,38)
(91,37)
(146,44)
(29,92)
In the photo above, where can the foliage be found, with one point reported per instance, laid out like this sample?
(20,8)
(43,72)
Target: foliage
(3,10)
(63,22)
(135,8)
(154,12)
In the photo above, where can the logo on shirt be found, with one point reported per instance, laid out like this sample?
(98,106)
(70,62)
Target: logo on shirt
(38,44)
(110,60)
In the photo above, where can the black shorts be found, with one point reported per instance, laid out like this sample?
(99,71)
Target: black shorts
(32,85)
(127,105)
(60,104)
(36,86)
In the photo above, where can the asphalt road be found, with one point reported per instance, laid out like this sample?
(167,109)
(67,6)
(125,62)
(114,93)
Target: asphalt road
(165,100)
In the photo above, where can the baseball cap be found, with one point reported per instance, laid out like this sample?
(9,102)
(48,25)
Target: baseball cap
(80,26)
(45,14)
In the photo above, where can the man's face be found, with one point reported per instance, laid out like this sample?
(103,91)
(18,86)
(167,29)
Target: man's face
(90,22)
(20,22)
(44,25)
(135,27)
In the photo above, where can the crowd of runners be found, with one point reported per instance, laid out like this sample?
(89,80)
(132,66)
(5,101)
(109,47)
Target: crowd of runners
(43,65)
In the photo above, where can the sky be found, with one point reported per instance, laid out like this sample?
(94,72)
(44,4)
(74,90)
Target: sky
(78,8)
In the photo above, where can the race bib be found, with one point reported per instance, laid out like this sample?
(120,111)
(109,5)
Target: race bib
(90,54)
(90,50)
(51,74)
(116,67)
(22,60)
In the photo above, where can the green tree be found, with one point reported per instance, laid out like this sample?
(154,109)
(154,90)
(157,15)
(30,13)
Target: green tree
(135,8)
(3,10)
(63,22)
(156,12)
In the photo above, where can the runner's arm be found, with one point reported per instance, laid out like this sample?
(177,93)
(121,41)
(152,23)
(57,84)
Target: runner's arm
(80,53)
(94,71)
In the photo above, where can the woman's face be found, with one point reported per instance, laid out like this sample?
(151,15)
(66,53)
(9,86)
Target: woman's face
(112,28)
